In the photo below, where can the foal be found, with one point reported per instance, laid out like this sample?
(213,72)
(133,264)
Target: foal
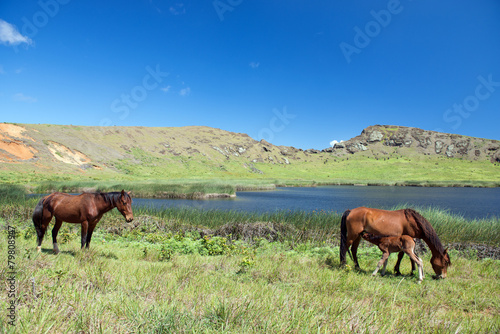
(390,244)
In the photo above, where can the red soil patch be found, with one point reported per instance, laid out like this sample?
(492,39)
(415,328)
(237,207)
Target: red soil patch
(11,148)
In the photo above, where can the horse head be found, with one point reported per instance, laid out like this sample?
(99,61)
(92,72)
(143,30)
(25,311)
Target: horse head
(440,264)
(124,205)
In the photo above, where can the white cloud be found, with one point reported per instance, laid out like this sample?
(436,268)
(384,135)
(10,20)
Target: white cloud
(185,91)
(23,98)
(166,89)
(9,35)
(333,142)
(254,64)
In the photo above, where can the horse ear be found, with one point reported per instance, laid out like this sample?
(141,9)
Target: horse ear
(123,192)
(446,250)
(128,192)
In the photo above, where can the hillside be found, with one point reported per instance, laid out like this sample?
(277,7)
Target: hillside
(388,154)
(384,140)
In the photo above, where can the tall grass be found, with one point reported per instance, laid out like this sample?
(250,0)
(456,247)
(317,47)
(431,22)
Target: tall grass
(315,226)
(146,189)
(325,226)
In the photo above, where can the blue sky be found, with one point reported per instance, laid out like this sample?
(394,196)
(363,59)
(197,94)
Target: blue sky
(297,73)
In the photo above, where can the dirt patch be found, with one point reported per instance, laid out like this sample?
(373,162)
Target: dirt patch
(12,146)
(66,155)
(12,130)
(15,150)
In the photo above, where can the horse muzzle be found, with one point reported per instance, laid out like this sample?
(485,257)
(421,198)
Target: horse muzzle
(442,276)
(129,219)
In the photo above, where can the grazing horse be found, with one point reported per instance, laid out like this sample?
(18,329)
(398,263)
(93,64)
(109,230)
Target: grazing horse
(383,222)
(391,244)
(85,209)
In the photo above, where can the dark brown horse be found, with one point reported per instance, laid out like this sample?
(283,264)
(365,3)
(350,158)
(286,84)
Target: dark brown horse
(395,223)
(389,244)
(85,209)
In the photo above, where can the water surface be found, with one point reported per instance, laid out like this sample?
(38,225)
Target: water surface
(469,202)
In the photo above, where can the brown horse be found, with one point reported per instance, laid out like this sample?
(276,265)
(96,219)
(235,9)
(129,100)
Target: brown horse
(85,209)
(389,244)
(383,222)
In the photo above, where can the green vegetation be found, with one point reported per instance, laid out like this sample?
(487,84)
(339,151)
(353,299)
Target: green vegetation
(164,156)
(150,189)
(188,270)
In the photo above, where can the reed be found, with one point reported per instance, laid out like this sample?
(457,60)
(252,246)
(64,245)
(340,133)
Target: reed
(145,189)
(316,226)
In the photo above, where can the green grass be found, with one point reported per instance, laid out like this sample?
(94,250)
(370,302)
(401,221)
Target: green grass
(166,273)
(115,288)
(361,168)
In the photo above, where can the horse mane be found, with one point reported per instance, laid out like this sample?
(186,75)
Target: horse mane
(429,234)
(111,197)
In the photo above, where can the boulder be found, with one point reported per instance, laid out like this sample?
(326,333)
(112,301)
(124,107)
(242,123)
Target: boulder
(450,151)
(375,136)
(438,147)
(339,146)
(356,147)
(463,147)
(496,157)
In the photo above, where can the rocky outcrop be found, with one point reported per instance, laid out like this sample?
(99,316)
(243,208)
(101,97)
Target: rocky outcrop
(379,139)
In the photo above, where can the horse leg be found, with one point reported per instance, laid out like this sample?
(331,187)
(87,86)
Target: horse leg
(385,266)
(415,258)
(354,251)
(85,226)
(55,230)
(398,263)
(412,265)
(383,261)
(89,234)
(344,248)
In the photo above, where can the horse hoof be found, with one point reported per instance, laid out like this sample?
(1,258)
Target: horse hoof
(56,249)
(39,249)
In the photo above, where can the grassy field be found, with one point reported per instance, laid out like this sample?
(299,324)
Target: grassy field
(186,270)
(416,171)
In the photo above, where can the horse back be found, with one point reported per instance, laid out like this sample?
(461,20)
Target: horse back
(70,208)
(381,222)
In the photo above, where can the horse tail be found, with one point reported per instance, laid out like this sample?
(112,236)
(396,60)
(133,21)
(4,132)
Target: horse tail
(343,237)
(429,235)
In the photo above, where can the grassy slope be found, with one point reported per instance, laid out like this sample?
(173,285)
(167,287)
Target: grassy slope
(183,154)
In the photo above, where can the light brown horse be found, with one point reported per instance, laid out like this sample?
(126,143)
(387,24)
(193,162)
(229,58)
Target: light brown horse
(389,244)
(85,209)
(383,222)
